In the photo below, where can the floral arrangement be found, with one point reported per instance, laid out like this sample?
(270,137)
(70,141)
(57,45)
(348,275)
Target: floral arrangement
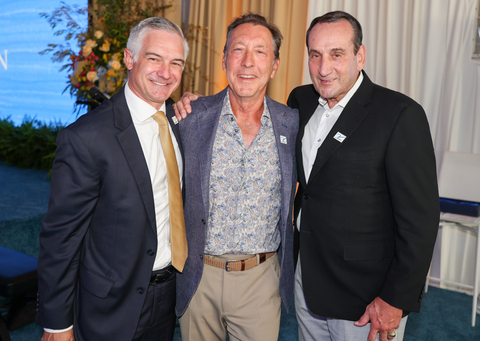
(96,59)
(98,64)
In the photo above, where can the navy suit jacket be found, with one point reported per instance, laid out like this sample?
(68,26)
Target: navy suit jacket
(99,237)
(370,208)
(197,132)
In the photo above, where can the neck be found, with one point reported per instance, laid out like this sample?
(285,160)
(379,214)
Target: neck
(247,108)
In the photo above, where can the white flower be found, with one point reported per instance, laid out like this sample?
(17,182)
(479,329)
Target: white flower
(115,64)
(86,50)
(98,34)
(92,76)
(90,43)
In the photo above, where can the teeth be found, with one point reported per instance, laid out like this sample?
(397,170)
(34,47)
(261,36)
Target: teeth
(246,76)
(158,83)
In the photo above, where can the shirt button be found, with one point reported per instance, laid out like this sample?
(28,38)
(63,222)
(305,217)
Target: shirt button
(140,291)
(236,130)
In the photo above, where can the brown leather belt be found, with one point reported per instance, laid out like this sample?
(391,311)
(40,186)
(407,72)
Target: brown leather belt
(238,265)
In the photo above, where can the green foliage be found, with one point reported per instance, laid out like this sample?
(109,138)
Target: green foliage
(117,17)
(62,19)
(30,145)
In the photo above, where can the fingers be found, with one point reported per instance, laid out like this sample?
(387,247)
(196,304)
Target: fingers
(183,107)
(372,335)
(363,320)
(177,113)
(391,335)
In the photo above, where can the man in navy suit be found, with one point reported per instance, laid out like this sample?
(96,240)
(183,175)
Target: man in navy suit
(367,205)
(105,258)
(240,178)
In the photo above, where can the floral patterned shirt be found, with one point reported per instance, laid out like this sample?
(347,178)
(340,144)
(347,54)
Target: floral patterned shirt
(245,189)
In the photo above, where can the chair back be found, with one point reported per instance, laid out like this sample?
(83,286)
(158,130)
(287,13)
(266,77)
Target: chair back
(459,176)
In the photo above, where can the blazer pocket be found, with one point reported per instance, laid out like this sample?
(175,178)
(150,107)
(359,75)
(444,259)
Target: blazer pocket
(95,283)
(369,250)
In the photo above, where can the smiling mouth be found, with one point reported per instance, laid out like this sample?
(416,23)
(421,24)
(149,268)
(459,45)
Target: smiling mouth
(158,83)
(246,76)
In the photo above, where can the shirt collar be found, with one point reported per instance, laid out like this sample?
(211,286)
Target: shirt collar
(227,108)
(139,109)
(343,102)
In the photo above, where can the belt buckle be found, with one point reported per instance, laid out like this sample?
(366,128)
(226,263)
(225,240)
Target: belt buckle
(226,265)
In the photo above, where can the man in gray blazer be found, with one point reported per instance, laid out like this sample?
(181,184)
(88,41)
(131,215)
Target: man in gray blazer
(240,177)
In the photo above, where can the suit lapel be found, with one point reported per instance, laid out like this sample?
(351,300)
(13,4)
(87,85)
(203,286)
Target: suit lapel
(282,133)
(130,144)
(352,115)
(172,120)
(306,113)
(207,123)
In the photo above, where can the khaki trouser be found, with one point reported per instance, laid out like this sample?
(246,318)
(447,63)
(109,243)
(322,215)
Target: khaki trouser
(246,304)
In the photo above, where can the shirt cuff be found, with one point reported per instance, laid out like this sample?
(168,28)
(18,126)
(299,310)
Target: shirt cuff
(55,331)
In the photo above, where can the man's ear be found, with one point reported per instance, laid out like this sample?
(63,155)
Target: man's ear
(276,63)
(224,66)
(361,57)
(128,59)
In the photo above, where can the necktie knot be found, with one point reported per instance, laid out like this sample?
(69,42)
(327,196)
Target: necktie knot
(160,117)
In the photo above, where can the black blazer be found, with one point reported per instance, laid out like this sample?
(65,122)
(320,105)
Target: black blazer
(99,237)
(370,209)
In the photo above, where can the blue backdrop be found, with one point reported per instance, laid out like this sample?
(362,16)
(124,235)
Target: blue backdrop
(30,83)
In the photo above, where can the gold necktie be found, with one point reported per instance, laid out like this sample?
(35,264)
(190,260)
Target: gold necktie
(178,236)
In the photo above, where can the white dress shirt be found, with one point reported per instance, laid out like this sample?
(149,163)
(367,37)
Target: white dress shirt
(318,127)
(147,131)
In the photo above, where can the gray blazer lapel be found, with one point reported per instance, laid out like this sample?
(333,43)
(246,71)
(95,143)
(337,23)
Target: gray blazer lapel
(285,146)
(130,144)
(207,123)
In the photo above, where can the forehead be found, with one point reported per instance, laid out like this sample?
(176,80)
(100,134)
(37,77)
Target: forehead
(331,35)
(156,41)
(249,33)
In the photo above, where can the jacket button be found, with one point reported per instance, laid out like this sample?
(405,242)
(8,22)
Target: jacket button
(201,256)
(140,291)
(203,221)
(306,196)
(150,252)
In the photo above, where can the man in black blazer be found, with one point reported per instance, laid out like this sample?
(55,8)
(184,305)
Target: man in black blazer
(104,265)
(367,206)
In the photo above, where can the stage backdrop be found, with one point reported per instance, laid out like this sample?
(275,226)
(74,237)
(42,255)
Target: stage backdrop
(30,83)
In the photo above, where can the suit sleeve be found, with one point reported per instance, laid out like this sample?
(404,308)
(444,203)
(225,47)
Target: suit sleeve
(412,185)
(74,191)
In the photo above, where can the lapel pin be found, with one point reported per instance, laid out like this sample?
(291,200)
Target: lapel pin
(283,139)
(339,137)
(174,119)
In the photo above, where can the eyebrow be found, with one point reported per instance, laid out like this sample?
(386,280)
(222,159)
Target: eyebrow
(335,49)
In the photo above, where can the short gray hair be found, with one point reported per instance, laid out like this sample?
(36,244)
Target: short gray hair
(135,40)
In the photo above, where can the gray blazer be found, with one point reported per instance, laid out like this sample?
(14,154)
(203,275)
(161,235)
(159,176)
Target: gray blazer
(197,133)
